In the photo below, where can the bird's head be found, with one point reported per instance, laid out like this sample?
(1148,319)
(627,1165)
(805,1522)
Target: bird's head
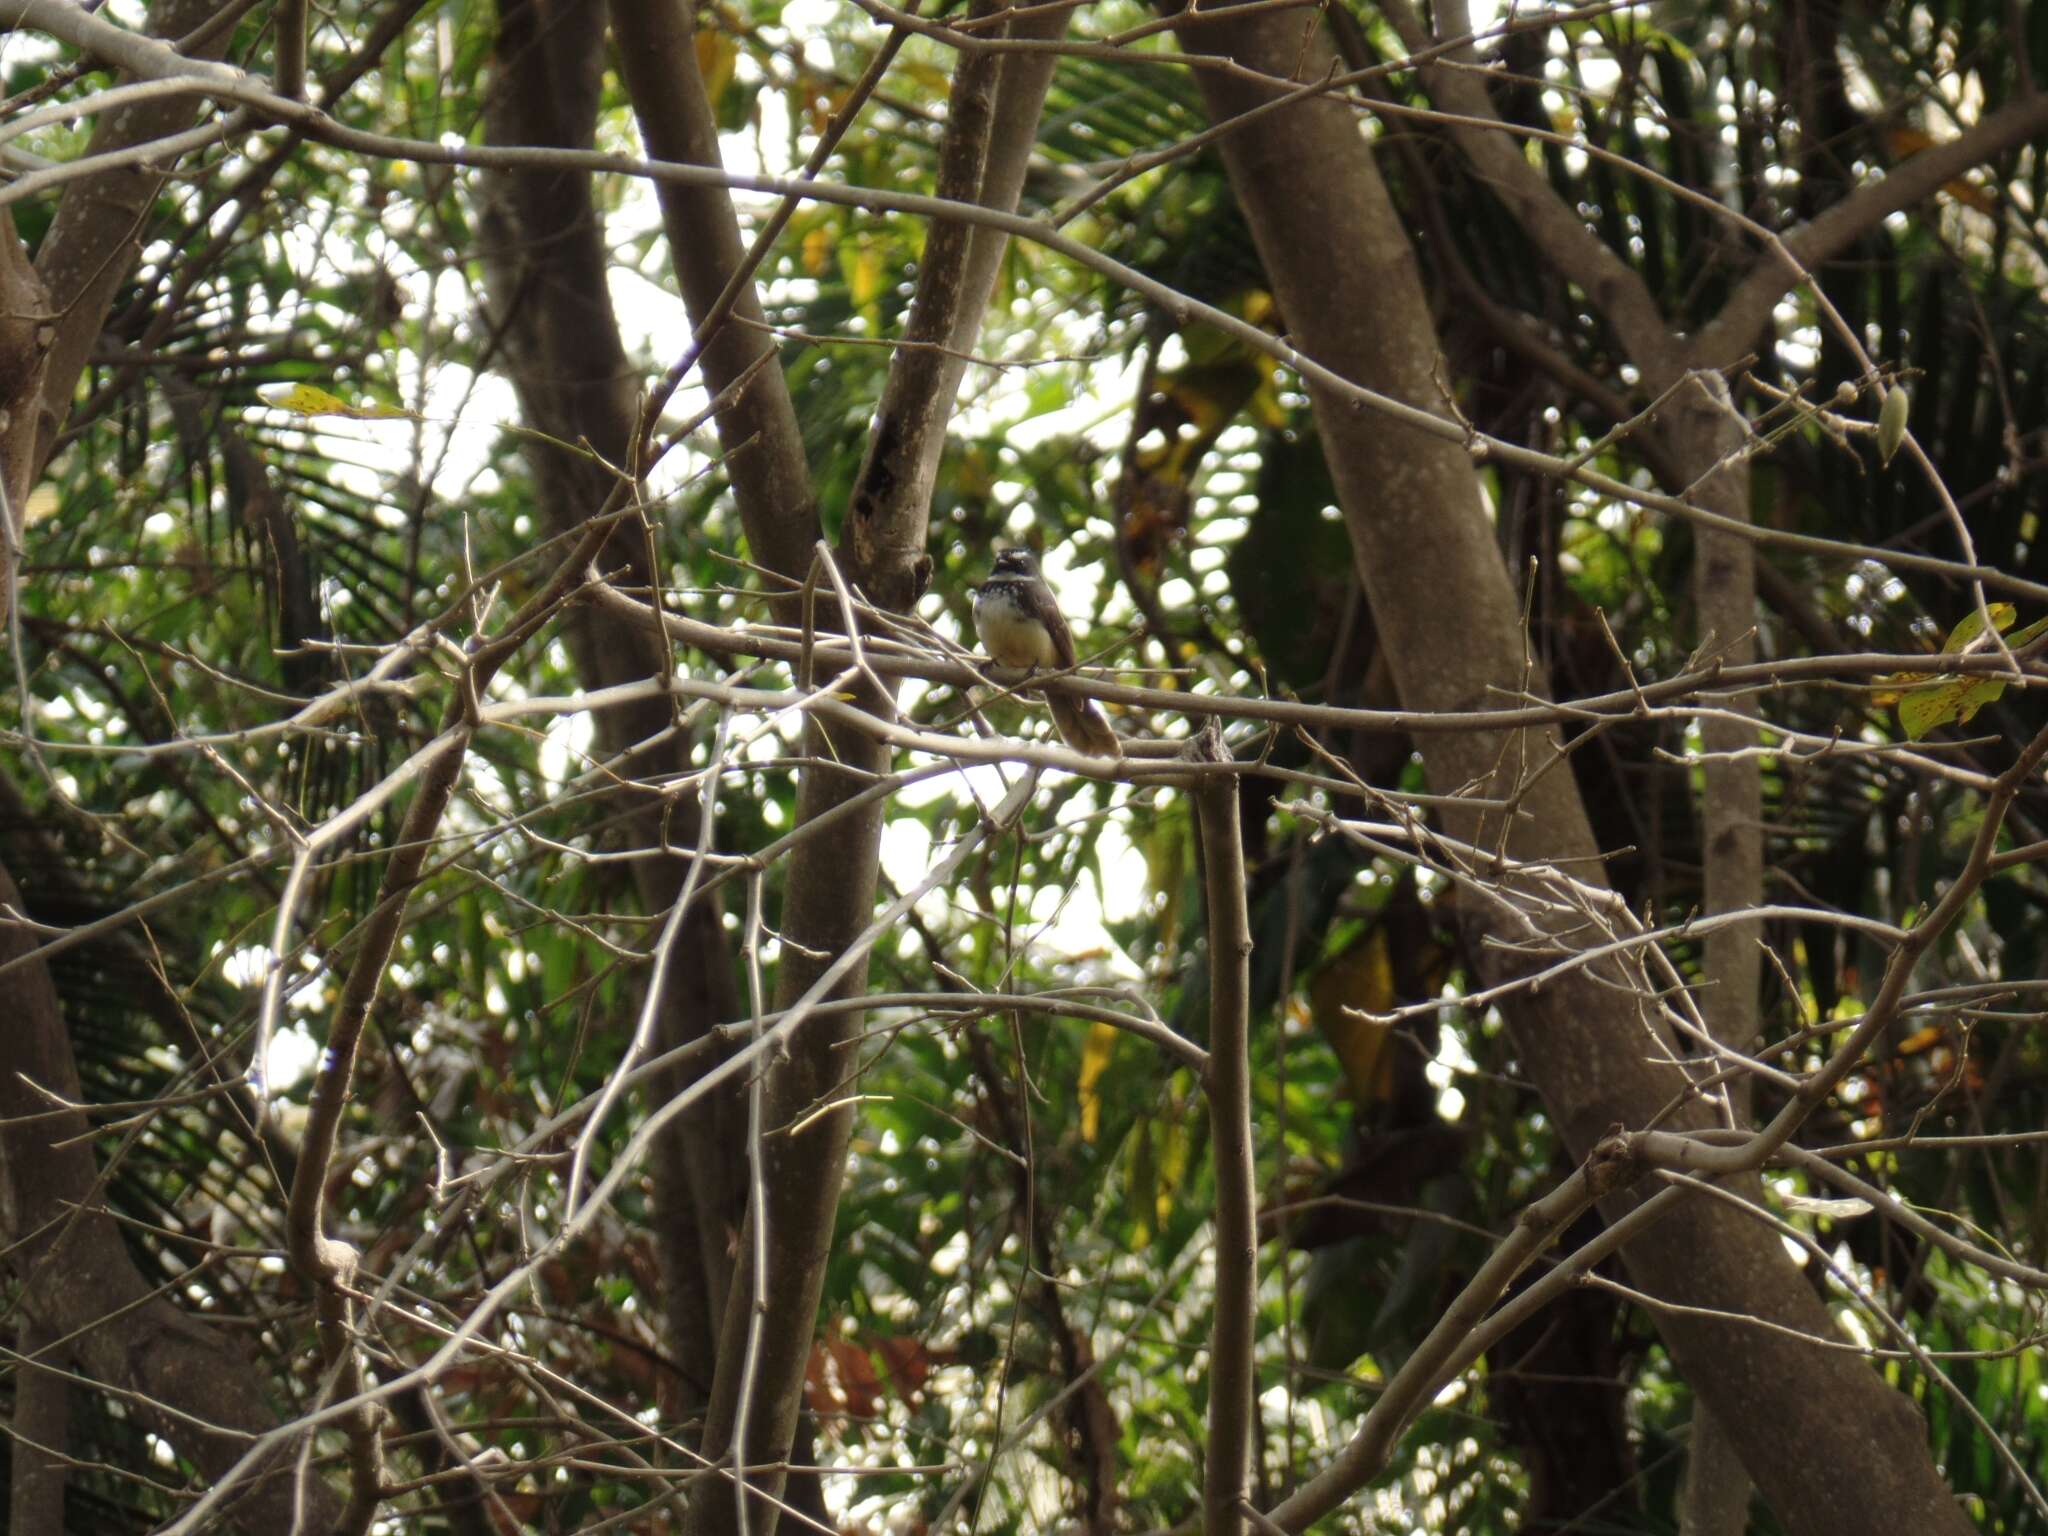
(1013,562)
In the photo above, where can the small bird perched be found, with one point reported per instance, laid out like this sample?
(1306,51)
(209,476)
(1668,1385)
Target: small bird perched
(1020,622)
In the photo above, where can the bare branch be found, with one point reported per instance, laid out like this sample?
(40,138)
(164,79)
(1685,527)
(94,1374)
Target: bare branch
(771,481)
(1733,331)
(1608,282)
(1232,1383)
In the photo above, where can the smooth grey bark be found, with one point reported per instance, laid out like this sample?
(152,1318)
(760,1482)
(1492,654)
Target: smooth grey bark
(1699,442)
(1704,428)
(829,893)
(765,462)
(831,879)
(1715,1498)
(1233,1376)
(1831,1447)
(39,1431)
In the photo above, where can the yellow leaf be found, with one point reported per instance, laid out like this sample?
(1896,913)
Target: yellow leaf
(1095,1054)
(1362,979)
(1954,700)
(860,263)
(1921,1040)
(817,248)
(42,501)
(303,400)
(717,55)
(1141,1180)
(1210,394)
(1173,1166)
(311,400)
(1267,408)
(928,75)
(1971,625)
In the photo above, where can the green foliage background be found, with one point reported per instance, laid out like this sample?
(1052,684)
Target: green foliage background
(210,558)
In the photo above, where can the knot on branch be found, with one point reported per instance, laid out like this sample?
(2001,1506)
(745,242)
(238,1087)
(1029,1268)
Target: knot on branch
(334,1261)
(1207,745)
(1612,1164)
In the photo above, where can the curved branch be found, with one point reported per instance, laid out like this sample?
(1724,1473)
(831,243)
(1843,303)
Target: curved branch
(1748,309)
(1581,256)
(764,447)
(1462,1334)
(830,892)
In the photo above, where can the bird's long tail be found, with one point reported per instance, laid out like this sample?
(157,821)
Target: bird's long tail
(1082,726)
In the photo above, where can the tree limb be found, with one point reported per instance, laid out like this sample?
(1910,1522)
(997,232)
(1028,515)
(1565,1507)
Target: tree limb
(548,267)
(831,881)
(771,480)
(1346,281)
(1226,1478)
(1608,282)
(1731,333)
(985,166)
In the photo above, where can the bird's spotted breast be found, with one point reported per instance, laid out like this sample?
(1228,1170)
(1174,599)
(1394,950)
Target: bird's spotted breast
(1013,634)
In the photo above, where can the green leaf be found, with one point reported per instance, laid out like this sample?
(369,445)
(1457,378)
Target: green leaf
(311,400)
(1954,700)
(1891,424)
(1971,625)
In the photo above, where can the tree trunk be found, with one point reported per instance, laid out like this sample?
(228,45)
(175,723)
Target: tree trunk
(1705,436)
(550,306)
(992,118)
(1829,1445)
(77,1281)
(40,1431)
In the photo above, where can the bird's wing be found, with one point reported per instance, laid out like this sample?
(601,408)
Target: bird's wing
(1056,626)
